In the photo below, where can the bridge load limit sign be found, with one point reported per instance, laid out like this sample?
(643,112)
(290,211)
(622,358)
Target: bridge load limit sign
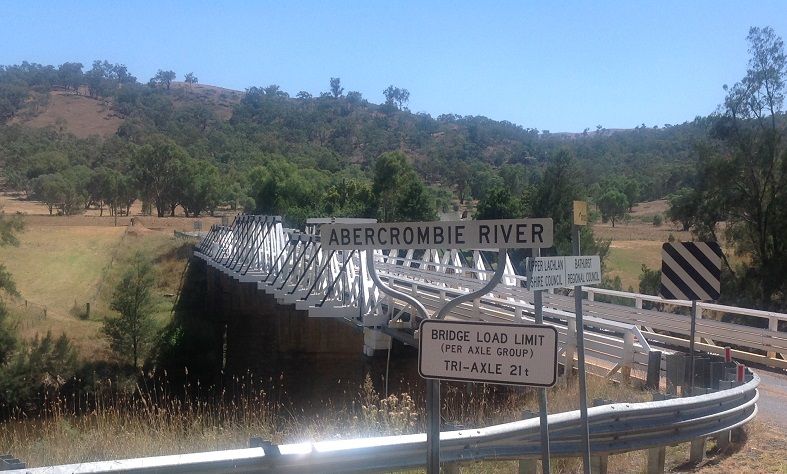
(502,353)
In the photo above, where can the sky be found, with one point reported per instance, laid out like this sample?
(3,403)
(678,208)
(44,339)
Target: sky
(561,66)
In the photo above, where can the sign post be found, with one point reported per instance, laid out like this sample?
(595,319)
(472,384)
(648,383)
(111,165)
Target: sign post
(691,271)
(538,302)
(495,234)
(583,400)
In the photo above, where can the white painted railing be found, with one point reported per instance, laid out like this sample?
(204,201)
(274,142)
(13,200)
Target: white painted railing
(293,267)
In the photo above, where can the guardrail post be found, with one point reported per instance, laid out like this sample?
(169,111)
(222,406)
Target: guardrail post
(723,440)
(676,373)
(654,370)
(657,459)
(528,465)
(716,374)
(599,463)
(697,451)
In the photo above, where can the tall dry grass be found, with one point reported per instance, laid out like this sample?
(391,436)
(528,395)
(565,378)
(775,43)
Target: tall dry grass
(147,419)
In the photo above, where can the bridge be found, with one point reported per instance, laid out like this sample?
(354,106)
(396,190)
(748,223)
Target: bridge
(623,338)
(292,267)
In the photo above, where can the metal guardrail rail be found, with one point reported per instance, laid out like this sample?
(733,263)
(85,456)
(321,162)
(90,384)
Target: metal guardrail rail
(614,428)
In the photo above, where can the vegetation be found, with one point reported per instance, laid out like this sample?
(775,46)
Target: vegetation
(131,334)
(740,176)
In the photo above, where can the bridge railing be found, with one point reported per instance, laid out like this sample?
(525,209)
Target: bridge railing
(337,284)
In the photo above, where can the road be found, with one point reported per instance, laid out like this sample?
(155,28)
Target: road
(773,396)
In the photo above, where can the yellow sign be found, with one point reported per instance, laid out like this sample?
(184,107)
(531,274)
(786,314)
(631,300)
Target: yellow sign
(580,213)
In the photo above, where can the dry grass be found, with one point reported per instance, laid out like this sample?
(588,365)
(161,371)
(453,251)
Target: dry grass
(83,116)
(153,422)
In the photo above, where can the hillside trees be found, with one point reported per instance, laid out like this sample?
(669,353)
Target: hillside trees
(163,78)
(399,193)
(747,178)
(396,97)
(156,167)
(9,227)
(190,79)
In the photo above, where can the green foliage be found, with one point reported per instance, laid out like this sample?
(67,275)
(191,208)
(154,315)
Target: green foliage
(657,220)
(400,194)
(649,281)
(41,363)
(741,175)
(613,205)
(498,204)
(163,78)
(131,334)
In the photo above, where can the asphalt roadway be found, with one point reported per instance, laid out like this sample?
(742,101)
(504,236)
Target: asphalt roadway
(772,404)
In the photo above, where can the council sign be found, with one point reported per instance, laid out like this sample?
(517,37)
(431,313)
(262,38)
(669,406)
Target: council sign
(492,234)
(502,353)
(544,273)
(583,270)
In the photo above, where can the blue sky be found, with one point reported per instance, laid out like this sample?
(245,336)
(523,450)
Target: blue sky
(558,66)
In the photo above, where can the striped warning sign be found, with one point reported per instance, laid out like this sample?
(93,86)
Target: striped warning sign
(690,271)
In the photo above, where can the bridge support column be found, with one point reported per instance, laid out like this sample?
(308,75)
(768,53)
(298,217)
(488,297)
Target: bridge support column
(374,341)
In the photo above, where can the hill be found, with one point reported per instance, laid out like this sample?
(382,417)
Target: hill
(101,139)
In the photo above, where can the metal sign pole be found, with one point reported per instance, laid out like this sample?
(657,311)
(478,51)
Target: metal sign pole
(583,400)
(691,344)
(542,392)
(433,386)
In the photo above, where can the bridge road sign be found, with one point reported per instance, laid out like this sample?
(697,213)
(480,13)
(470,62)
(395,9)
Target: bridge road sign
(502,353)
(691,271)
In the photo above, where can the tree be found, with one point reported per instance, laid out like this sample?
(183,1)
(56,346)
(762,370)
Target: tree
(613,205)
(163,78)
(399,192)
(396,97)
(70,76)
(336,87)
(156,166)
(9,227)
(498,204)
(190,79)
(131,333)
(745,178)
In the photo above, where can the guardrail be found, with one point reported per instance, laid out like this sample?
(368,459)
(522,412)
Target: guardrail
(614,428)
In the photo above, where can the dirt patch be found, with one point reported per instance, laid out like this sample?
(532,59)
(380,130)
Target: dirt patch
(36,214)
(650,208)
(640,231)
(78,114)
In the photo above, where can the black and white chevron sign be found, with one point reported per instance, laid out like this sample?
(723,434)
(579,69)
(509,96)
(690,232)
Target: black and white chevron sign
(690,271)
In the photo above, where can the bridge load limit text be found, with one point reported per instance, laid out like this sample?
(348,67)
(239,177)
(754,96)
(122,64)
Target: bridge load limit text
(503,353)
